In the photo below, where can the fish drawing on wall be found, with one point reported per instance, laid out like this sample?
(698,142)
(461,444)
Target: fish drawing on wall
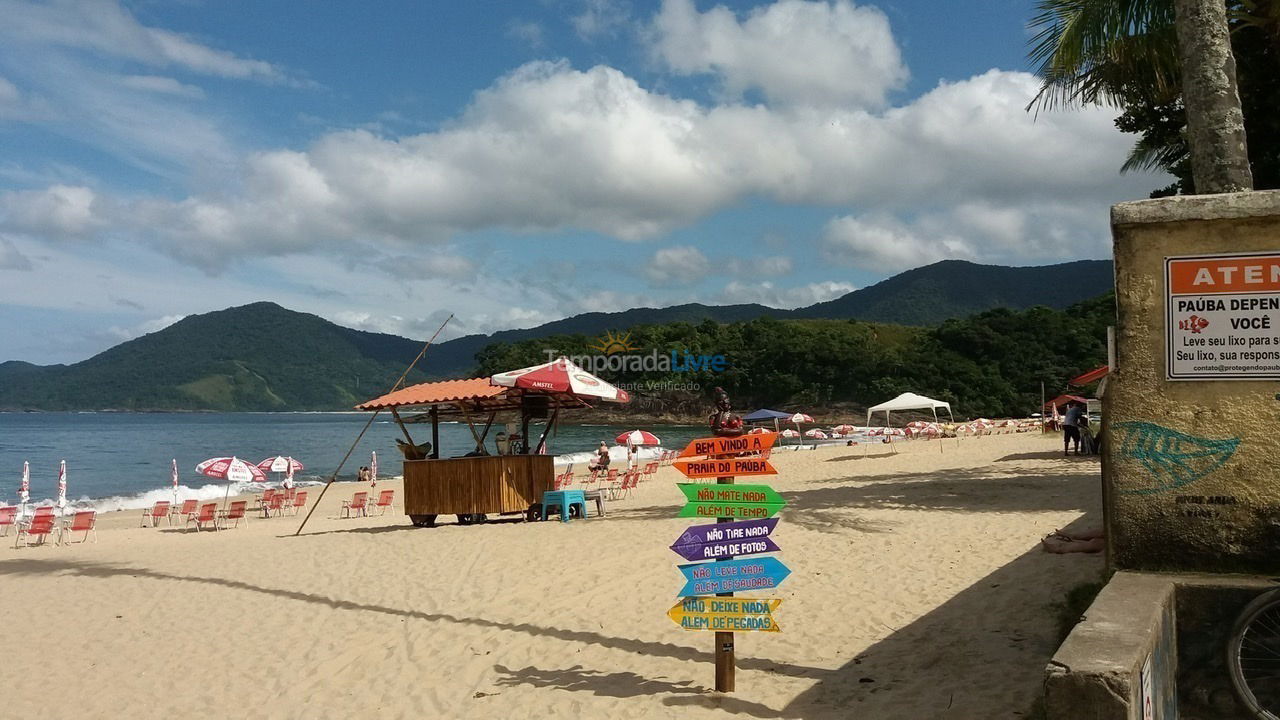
(1173,458)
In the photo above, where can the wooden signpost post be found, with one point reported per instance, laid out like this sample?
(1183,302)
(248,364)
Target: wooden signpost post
(744,520)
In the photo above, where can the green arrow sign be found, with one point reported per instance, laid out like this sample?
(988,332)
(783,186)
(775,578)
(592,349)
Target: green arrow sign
(740,502)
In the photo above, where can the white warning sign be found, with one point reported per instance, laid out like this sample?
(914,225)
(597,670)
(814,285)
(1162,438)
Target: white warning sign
(1222,318)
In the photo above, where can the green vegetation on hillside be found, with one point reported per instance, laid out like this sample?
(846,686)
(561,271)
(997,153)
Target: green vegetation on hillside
(986,364)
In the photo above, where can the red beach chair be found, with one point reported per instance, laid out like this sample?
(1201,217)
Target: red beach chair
(235,512)
(299,502)
(41,526)
(385,499)
(274,505)
(265,499)
(208,516)
(649,470)
(156,513)
(83,521)
(356,505)
(186,511)
(8,518)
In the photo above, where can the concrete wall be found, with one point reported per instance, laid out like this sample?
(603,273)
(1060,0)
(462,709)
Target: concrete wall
(1191,467)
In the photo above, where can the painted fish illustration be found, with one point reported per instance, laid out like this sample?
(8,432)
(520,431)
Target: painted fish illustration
(1173,458)
(1195,324)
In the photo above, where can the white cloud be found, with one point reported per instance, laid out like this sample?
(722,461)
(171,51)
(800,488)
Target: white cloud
(58,211)
(161,84)
(766,293)
(600,18)
(767,266)
(825,54)
(526,31)
(106,28)
(675,266)
(11,258)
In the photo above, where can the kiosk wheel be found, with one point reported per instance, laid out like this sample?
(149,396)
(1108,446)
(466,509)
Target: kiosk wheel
(423,520)
(1253,656)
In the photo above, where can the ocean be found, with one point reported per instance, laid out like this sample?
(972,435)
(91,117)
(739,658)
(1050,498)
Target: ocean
(121,461)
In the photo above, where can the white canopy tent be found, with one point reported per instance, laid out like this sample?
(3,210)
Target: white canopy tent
(910,401)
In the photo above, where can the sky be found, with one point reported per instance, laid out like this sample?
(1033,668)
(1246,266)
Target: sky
(386,164)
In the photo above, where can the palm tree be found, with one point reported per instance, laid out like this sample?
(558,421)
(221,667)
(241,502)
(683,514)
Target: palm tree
(1113,51)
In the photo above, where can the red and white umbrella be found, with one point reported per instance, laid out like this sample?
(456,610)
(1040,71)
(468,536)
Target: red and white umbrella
(562,376)
(757,431)
(843,429)
(62,484)
(280,464)
(789,433)
(801,418)
(815,433)
(637,437)
(373,468)
(288,474)
(173,475)
(231,469)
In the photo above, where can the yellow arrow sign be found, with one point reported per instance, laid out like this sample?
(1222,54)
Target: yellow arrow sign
(728,467)
(726,614)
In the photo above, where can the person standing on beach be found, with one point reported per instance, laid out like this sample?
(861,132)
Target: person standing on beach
(1071,427)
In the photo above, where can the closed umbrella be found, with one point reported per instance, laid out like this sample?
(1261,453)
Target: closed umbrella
(637,437)
(24,486)
(373,468)
(288,475)
(173,475)
(62,485)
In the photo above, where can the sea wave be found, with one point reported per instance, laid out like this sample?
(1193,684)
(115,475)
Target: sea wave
(148,498)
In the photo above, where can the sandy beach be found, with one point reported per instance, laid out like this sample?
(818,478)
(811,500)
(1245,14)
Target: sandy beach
(918,590)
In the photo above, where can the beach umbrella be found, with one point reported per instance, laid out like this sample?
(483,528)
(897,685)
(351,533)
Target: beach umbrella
(561,376)
(757,431)
(801,418)
(789,433)
(815,433)
(843,429)
(279,464)
(373,468)
(24,486)
(62,485)
(233,470)
(637,437)
(173,475)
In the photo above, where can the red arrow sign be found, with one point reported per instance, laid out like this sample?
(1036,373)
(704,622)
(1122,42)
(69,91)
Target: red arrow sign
(730,445)
(724,468)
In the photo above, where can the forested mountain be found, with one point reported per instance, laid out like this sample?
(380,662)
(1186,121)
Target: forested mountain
(254,357)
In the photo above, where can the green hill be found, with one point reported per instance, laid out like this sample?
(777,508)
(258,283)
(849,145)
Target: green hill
(254,357)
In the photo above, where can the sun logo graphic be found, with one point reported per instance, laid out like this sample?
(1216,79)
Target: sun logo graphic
(611,344)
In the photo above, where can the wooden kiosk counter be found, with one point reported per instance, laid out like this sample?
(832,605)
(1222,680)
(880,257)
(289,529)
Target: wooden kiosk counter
(479,484)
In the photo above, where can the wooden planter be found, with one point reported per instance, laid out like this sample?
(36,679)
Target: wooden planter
(475,486)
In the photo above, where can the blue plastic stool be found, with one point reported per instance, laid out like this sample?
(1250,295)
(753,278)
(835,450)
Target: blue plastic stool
(564,499)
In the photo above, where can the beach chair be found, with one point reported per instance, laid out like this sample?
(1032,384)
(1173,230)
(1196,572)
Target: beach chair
(299,502)
(156,513)
(235,512)
(186,511)
(264,500)
(564,479)
(206,519)
(83,521)
(612,485)
(44,511)
(275,504)
(8,518)
(629,481)
(40,526)
(649,470)
(385,499)
(356,505)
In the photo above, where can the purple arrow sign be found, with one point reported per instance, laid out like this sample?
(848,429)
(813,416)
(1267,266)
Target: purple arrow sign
(725,540)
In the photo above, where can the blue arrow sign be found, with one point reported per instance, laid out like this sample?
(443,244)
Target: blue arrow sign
(726,540)
(739,575)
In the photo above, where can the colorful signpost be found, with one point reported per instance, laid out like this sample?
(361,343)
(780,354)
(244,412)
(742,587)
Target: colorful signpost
(728,466)
(726,540)
(735,502)
(741,575)
(726,614)
(744,520)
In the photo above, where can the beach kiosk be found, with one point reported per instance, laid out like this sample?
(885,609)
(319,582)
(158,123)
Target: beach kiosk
(482,482)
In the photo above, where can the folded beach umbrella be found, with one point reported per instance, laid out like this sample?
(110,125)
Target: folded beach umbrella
(288,474)
(373,468)
(561,376)
(62,484)
(173,475)
(637,437)
(280,463)
(24,486)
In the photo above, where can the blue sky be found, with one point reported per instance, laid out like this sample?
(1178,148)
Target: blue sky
(384,164)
